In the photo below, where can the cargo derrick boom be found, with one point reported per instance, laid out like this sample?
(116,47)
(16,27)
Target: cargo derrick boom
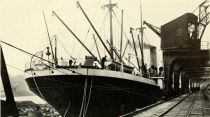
(155,29)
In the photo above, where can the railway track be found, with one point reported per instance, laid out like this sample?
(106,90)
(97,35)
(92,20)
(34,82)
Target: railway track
(189,105)
(183,108)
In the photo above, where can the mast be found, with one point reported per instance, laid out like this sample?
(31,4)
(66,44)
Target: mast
(95,30)
(141,29)
(137,59)
(121,38)
(56,58)
(142,40)
(115,51)
(140,46)
(48,34)
(111,32)
(110,6)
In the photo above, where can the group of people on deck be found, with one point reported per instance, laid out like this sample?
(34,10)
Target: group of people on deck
(153,71)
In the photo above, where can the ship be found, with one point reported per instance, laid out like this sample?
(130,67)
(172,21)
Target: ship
(87,90)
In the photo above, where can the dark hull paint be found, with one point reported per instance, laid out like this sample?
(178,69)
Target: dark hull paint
(110,97)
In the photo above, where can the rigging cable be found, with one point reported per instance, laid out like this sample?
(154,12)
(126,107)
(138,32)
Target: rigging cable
(81,49)
(36,56)
(62,36)
(120,24)
(104,51)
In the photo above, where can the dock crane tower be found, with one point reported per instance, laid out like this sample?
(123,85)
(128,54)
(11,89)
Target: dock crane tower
(181,46)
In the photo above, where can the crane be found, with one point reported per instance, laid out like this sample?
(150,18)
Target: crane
(155,29)
(203,18)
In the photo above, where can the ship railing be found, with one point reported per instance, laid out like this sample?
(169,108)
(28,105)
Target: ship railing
(204,45)
(79,63)
(61,63)
(35,65)
(40,65)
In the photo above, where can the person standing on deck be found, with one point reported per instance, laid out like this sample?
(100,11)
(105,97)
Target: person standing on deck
(70,62)
(103,60)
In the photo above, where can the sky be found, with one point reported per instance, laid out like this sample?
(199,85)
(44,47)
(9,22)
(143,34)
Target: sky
(22,24)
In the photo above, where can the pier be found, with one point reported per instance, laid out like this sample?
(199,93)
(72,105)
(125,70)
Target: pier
(188,105)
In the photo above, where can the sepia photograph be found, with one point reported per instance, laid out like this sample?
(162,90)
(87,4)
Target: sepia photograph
(105,58)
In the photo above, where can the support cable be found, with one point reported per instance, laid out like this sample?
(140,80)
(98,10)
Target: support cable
(48,34)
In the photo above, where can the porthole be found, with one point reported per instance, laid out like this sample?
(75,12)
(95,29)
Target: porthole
(52,72)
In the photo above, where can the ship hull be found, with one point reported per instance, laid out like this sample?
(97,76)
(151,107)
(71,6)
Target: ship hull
(94,96)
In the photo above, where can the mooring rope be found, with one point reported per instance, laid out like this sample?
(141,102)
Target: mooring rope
(90,91)
(67,110)
(83,99)
(37,87)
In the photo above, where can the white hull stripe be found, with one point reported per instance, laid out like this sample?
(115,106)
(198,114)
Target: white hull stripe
(90,72)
